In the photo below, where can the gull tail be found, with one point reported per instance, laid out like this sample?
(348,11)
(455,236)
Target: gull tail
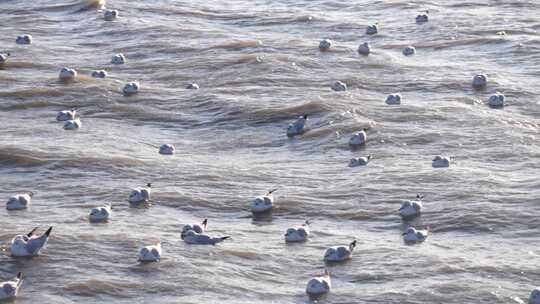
(48,232)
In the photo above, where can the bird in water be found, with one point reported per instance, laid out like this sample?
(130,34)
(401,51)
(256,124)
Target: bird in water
(10,289)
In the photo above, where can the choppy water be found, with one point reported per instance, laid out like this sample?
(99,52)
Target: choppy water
(259,67)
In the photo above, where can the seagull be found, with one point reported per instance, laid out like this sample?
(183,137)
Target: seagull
(535,296)
(359,161)
(131,88)
(364,48)
(372,29)
(166,149)
(19,201)
(118,59)
(66,115)
(192,86)
(110,15)
(479,81)
(99,74)
(10,289)
(440,161)
(325,45)
(496,100)
(393,99)
(297,127)
(409,50)
(263,203)
(411,209)
(339,86)
(3,58)
(194,238)
(422,18)
(319,285)
(73,124)
(298,233)
(199,228)
(411,235)
(150,253)
(29,245)
(358,138)
(24,39)
(339,253)
(100,214)
(67,74)
(140,195)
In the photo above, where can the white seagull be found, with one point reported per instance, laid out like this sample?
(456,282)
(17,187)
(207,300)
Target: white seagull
(110,15)
(24,39)
(297,127)
(411,235)
(359,161)
(393,99)
(199,228)
(140,195)
(325,45)
(66,115)
(372,29)
(263,203)
(29,245)
(319,285)
(496,100)
(10,289)
(19,201)
(4,57)
(410,209)
(100,214)
(131,88)
(67,74)
(194,238)
(118,59)
(440,161)
(479,81)
(339,86)
(409,50)
(73,124)
(364,48)
(422,18)
(339,253)
(166,149)
(150,253)
(297,233)
(99,74)
(358,138)
(192,86)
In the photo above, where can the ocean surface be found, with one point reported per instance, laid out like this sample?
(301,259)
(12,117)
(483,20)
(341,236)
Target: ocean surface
(259,68)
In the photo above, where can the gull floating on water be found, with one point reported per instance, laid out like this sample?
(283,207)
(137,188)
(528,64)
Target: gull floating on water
(19,201)
(99,74)
(118,59)
(66,115)
(297,127)
(411,209)
(535,296)
(100,214)
(479,81)
(409,50)
(150,253)
(73,124)
(339,86)
(131,88)
(263,203)
(422,18)
(393,99)
(325,44)
(440,161)
(364,48)
(372,29)
(496,100)
(358,138)
(166,149)
(297,233)
(67,74)
(359,161)
(29,245)
(339,253)
(412,235)
(10,289)
(319,285)
(140,195)
(4,57)
(192,86)
(199,228)
(24,39)
(194,238)
(110,15)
